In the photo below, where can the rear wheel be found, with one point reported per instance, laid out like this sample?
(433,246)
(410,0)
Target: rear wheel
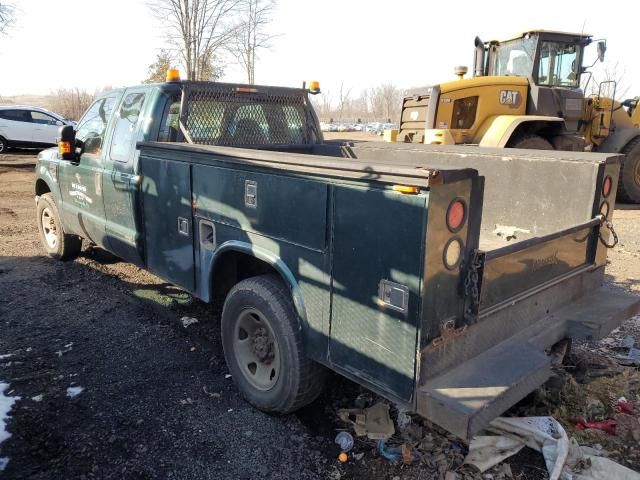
(629,181)
(530,142)
(263,347)
(56,242)
(4,145)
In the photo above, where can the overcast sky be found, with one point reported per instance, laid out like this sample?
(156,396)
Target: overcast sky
(93,43)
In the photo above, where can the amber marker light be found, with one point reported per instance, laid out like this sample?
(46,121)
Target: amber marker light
(406,189)
(173,75)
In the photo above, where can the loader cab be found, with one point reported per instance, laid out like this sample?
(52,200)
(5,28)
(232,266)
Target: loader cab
(552,62)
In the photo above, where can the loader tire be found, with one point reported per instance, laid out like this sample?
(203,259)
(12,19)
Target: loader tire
(263,347)
(629,180)
(530,142)
(57,243)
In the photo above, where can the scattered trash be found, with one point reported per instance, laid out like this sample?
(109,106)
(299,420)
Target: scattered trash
(211,394)
(228,375)
(343,457)
(230,410)
(509,232)
(363,400)
(608,426)
(543,434)
(403,419)
(74,391)
(488,450)
(38,398)
(186,401)
(373,422)
(396,454)
(623,406)
(345,441)
(6,355)
(358,456)
(186,321)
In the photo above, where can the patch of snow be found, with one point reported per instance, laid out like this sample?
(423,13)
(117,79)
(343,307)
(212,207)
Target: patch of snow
(38,398)
(74,391)
(186,321)
(6,355)
(5,406)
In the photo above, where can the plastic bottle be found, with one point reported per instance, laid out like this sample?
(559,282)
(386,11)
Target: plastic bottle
(345,441)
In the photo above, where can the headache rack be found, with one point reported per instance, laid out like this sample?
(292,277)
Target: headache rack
(224,114)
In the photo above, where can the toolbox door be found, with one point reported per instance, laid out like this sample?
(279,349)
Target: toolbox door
(168,225)
(377,252)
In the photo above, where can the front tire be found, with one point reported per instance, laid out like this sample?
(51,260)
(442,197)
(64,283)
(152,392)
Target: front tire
(56,242)
(531,142)
(629,180)
(4,145)
(263,347)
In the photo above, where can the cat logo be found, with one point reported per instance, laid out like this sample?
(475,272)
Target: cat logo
(511,98)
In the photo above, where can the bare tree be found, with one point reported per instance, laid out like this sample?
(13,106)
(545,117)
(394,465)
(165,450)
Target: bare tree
(386,101)
(250,36)
(7,15)
(158,70)
(344,100)
(71,103)
(612,77)
(198,29)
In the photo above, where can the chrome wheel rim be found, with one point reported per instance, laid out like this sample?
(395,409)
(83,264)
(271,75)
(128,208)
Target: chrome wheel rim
(49,228)
(255,349)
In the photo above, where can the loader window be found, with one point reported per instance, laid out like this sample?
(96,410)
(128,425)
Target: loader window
(559,64)
(515,57)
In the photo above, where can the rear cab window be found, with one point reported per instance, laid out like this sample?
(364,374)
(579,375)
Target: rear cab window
(16,115)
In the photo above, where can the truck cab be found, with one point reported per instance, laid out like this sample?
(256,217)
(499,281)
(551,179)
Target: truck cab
(98,186)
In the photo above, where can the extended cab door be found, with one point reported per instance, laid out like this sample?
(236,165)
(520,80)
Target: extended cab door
(81,182)
(121,184)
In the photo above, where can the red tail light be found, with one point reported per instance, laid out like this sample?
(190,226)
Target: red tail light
(606,186)
(456,215)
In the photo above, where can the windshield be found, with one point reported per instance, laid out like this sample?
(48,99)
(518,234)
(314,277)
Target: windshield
(559,64)
(515,57)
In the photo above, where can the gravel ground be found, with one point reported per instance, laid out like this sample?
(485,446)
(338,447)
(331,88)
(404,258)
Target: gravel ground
(155,401)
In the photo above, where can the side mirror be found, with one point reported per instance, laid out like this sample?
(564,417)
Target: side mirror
(602,47)
(59,123)
(67,143)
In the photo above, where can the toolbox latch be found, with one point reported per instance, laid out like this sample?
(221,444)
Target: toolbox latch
(251,193)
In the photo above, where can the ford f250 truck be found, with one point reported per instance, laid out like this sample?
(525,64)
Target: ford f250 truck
(379,261)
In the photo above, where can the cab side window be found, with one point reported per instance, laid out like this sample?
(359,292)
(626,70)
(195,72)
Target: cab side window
(125,131)
(170,126)
(92,126)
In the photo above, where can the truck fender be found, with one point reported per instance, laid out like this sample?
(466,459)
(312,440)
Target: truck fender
(498,130)
(617,140)
(270,259)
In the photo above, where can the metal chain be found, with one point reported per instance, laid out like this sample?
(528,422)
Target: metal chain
(472,279)
(609,225)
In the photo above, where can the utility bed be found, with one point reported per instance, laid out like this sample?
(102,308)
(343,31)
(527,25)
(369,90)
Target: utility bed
(362,230)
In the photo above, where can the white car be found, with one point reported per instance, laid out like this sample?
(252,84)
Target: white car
(28,127)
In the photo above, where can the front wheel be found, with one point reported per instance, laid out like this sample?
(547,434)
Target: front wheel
(56,242)
(4,145)
(629,180)
(530,142)
(263,347)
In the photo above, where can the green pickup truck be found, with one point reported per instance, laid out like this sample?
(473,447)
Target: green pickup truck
(439,277)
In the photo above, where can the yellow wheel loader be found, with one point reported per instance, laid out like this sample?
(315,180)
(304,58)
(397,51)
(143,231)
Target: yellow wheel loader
(526,93)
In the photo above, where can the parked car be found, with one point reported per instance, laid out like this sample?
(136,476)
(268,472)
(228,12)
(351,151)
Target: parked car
(28,127)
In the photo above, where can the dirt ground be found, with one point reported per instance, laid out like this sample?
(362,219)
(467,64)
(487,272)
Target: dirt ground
(155,400)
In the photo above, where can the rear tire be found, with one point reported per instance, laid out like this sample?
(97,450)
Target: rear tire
(4,145)
(263,347)
(629,180)
(530,142)
(56,242)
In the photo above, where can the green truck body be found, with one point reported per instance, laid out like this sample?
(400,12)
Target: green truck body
(450,321)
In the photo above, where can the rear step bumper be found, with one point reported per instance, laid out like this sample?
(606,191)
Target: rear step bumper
(467,396)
